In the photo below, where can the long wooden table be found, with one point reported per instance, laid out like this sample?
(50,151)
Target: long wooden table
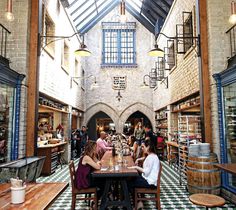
(38,196)
(228,167)
(115,175)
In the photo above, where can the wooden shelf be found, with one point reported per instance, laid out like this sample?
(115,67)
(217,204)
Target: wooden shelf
(52,108)
(189,108)
(165,118)
(163,127)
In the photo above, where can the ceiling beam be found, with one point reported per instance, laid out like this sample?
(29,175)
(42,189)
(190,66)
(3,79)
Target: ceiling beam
(149,9)
(140,18)
(166,3)
(96,9)
(103,13)
(72,3)
(154,4)
(77,8)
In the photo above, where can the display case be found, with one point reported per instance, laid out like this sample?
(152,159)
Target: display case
(189,129)
(226,90)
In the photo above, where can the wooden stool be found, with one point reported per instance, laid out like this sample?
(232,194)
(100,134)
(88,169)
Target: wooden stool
(60,159)
(207,200)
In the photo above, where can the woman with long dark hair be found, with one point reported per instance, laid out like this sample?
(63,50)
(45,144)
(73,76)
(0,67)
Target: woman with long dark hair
(149,171)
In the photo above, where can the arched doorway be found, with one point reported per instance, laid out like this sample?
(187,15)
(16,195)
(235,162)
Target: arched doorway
(99,122)
(132,121)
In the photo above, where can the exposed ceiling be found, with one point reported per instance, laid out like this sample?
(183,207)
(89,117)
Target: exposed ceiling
(87,13)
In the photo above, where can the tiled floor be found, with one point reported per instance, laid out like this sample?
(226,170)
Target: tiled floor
(173,196)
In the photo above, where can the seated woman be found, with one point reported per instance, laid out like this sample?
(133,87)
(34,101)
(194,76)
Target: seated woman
(150,170)
(88,162)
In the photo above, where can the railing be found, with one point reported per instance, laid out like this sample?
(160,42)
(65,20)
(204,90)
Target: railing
(232,36)
(4,32)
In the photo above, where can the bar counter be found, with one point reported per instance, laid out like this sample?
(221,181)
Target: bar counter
(51,153)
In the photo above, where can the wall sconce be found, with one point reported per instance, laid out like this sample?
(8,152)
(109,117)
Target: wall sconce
(94,84)
(153,81)
(8,14)
(123,17)
(82,51)
(157,52)
(232,18)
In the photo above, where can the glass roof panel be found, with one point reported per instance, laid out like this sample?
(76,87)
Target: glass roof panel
(135,5)
(88,12)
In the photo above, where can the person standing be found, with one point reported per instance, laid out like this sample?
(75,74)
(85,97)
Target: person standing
(84,137)
(150,136)
(77,139)
(139,134)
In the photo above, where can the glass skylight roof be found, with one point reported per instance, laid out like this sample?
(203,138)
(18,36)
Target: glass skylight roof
(86,13)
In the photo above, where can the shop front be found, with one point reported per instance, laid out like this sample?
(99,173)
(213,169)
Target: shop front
(10,95)
(226,86)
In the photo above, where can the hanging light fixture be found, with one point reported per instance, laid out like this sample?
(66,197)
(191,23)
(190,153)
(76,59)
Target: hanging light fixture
(123,17)
(232,18)
(8,14)
(156,51)
(83,51)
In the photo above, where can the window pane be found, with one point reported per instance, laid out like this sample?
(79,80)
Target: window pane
(118,45)
(6,121)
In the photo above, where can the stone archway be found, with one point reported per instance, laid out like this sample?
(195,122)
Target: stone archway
(132,109)
(101,107)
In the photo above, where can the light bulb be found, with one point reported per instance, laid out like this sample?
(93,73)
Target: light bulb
(232,19)
(9,16)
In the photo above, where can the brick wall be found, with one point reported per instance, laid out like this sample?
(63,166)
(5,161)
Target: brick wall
(184,77)
(18,53)
(219,50)
(55,80)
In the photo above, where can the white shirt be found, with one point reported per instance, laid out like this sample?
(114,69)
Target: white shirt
(151,167)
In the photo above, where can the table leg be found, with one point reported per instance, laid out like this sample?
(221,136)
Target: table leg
(105,195)
(126,201)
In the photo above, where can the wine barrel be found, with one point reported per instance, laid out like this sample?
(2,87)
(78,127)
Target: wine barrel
(202,175)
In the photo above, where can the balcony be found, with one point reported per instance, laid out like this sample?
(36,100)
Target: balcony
(4,33)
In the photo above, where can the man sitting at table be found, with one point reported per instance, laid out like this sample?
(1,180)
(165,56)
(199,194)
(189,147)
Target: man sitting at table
(102,145)
(149,171)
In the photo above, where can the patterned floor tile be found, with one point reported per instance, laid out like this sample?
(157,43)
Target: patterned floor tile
(173,196)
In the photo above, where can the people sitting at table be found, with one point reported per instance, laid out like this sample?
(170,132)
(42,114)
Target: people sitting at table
(139,134)
(149,171)
(88,162)
(102,145)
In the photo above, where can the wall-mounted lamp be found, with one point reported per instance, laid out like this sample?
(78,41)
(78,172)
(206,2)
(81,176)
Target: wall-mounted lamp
(94,85)
(123,17)
(153,78)
(9,14)
(232,18)
(157,52)
(82,51)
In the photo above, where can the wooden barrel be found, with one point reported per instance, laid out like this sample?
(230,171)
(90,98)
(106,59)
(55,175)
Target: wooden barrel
(202,175)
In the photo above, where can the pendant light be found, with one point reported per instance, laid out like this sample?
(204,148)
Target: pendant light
(156,51)
(8,14)
(123,17)
(232,18)
(83,51)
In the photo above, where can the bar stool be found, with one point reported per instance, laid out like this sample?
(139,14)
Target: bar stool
(60,159)
(207,200)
